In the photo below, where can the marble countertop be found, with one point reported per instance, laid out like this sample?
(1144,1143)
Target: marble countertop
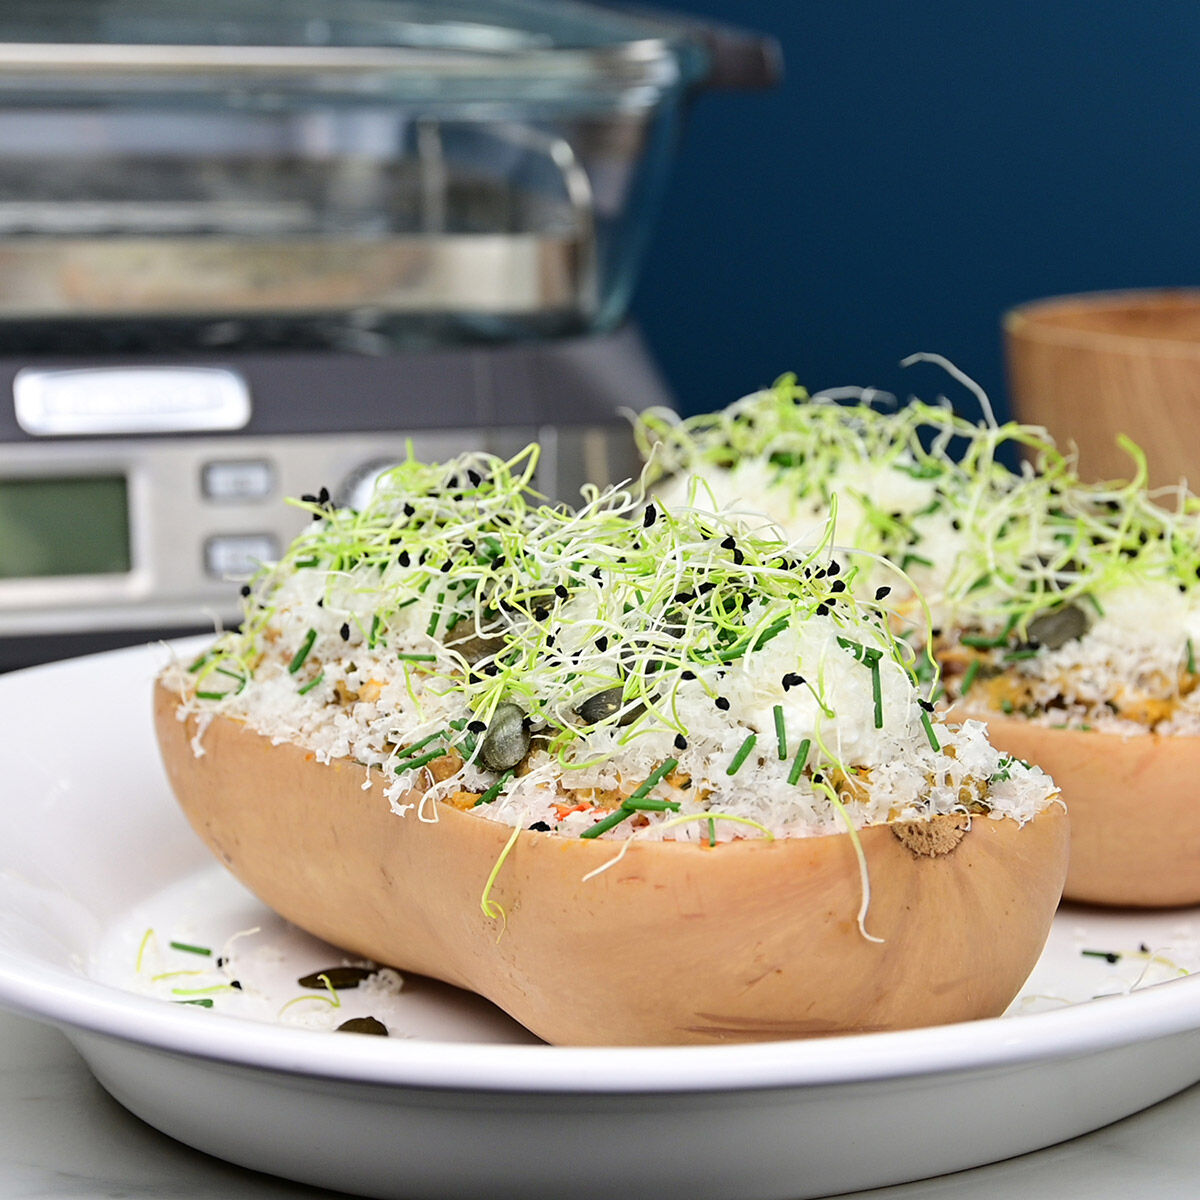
(62,1136)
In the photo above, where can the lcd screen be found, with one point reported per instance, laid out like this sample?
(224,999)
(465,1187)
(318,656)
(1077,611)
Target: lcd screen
(69,525)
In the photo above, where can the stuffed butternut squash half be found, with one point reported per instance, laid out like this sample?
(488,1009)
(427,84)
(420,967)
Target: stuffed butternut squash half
(1064,614)
(638,776)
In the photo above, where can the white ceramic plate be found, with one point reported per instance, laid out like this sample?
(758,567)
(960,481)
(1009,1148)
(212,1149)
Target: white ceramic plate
(459,1100)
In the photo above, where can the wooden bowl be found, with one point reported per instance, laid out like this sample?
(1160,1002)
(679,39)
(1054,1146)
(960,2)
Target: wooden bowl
(1092,367)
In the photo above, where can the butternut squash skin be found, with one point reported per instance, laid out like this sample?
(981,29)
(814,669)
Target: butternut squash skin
(676,943)
(1134,805)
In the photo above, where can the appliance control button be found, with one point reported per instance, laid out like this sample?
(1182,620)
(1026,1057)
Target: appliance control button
(239,554)
(100,401)
(229,480)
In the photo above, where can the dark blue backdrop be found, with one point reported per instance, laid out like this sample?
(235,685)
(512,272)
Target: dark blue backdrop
(923,166)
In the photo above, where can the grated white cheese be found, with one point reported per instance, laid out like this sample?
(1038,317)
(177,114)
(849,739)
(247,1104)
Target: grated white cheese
(725,641)
(990,551)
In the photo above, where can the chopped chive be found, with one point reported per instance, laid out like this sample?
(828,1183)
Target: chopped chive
(417,657)
(1006,706)
(780,731)
(312,683)
(799,762)
(374,634)
(436,615)
(411,764)
(712,832)
(969,677)
(649,804)
(1191,657)
(776,627)
(876,688)
(1108,955)
(406,603)
(196,664)
(742,754)
(929,731)
(1095,604)
(188,948)
(613,819)
(202,1003)
(494,790)
(214,695)
(914,558)
(409,751)
(301,654)
(664,768)
(1021,655)
(981,641)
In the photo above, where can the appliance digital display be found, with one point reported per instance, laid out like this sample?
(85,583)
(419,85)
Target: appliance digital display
(68,525)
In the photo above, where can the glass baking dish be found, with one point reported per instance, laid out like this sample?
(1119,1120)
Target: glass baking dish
(356,174)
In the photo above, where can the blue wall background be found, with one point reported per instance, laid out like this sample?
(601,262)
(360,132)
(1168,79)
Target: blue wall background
(923,166)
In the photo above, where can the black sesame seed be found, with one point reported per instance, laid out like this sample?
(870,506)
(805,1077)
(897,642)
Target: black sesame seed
(345,632)
(822,610)
(540,827)
(447,565)
(235,984)
(561,592)
(409,510)
(838,585)
(791,680)
(834,567)
(245,589)
(688,675)
(722,703)
(602,643)
(477,726)
(404,558)
(650,517)
(729,543)
(499,560)
(880,593)
(680,742)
